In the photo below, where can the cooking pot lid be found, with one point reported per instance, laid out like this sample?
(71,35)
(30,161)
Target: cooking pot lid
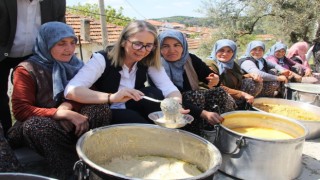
(303,87)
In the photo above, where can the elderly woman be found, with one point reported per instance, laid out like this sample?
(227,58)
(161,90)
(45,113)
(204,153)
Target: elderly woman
(119,76)
(47,122)
(277,55)
(272,74)
(186,70)
(297,52)
(242,87)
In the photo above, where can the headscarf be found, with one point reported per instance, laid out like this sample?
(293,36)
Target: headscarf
(49,34)
(276,47)
(219,45)
(298,49)
(252,45)
(175,69)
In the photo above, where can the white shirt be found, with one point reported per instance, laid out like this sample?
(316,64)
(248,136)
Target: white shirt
(28,23)
(94,68)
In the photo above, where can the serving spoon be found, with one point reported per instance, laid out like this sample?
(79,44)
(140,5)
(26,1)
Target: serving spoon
(151,99)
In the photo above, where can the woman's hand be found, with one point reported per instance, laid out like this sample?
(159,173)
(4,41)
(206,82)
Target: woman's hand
(308,72)
(213,80)
(282,78)
(79,121)
(212,117)
(256,77)
(125,94)
(286,73)
(247,97)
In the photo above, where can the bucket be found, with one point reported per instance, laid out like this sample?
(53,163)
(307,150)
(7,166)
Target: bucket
(250,157)
(102,144)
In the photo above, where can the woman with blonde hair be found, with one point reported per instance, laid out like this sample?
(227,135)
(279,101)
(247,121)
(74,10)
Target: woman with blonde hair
(119,77)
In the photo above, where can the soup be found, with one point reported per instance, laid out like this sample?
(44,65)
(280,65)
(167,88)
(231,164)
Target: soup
(265,133)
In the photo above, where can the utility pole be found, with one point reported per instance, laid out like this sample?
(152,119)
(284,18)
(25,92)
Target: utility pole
(103,24)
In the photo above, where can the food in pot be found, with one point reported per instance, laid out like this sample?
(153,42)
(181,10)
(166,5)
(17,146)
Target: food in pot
(261,132)
(289,111)
(171,111)
(152,167)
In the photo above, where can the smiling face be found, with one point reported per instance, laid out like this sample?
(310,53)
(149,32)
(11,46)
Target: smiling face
(257,52)
(133,55)
(280,53)
(171,49)
(64,49)
(224,54)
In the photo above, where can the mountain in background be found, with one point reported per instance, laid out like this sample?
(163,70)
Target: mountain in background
(188,21)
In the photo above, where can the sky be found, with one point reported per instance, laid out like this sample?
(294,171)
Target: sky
(148,9)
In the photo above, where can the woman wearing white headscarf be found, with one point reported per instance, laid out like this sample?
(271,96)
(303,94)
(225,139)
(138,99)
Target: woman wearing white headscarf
(186,71)
(272,74)
(46,122)
(242,87)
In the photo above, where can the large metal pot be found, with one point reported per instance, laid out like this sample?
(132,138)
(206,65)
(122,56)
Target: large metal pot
(249,157)
(23,176)
(308,93)
(312,126)
(100,145)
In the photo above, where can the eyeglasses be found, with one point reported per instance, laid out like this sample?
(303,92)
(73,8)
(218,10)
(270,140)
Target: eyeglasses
(137,45)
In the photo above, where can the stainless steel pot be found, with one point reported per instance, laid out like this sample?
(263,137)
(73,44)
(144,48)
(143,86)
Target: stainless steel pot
(248,157)
(23,176)
(100,145)
(308,93)
(312,126)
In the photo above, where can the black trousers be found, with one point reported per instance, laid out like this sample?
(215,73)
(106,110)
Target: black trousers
(138,111)
(5,66)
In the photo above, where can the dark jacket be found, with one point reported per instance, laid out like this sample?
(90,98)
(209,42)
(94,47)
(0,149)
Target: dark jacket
(51,10)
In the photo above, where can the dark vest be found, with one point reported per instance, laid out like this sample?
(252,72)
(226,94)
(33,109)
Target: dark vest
(265,65)
(43,82)
(110,78)
(231,78)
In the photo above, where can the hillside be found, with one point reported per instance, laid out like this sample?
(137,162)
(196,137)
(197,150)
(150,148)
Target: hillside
(188,21)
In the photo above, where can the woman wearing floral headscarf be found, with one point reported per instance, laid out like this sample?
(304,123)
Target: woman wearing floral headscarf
(277,55)
(240,86)
(272,74)
(186,71)
(46,122)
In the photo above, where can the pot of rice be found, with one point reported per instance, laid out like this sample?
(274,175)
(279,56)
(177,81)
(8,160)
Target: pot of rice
(307,114)
(144,151)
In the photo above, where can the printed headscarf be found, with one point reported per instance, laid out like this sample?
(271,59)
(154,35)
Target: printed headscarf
(49,34)
(175,69)
(219,45)
(252,45)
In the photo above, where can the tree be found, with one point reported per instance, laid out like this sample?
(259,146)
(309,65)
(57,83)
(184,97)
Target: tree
(92,10)
(288,20)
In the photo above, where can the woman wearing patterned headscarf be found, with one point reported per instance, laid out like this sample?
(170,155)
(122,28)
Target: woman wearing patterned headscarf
(272,74)
(46,122)
(186,71)
(277,55)
(240,86)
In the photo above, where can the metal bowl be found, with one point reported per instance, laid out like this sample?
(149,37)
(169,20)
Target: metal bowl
(312,126)
(155,117)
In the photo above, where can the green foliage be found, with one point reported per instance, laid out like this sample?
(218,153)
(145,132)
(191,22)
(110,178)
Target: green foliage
(93,11)
(186,20)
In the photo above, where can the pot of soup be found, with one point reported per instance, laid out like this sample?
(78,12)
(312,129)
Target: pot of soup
(258,145)
(143,151)
(308,93)
(307,114)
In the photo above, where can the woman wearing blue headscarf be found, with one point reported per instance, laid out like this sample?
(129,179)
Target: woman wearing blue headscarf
(186,71)
(272,74)
(240,86)
(277,55)
(46,122)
